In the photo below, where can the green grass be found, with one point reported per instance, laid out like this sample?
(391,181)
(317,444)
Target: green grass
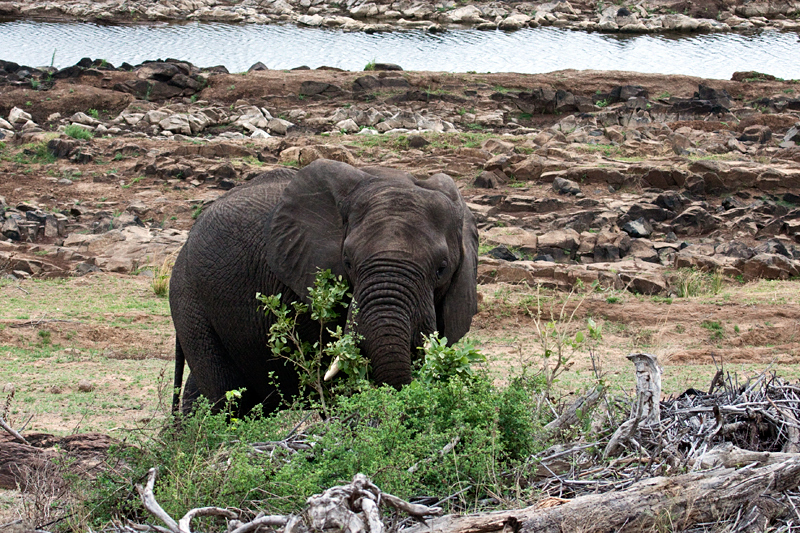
(110,299)
(77,132)
(46,376)
(34,153)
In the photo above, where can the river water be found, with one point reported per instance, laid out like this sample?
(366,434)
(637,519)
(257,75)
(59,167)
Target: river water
(287,46)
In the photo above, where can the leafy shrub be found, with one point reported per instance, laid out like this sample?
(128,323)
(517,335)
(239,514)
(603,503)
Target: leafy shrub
(77,132)
(432,439)
(444,362)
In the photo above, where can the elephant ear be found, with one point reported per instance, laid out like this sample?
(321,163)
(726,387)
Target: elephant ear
(460,303)
(306,228)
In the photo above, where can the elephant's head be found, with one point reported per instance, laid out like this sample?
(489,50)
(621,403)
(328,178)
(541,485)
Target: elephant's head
(408,248)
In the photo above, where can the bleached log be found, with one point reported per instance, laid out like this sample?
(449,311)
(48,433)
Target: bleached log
(685,500)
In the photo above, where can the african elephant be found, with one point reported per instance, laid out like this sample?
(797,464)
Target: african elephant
(407,247)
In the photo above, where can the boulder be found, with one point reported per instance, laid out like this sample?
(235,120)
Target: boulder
(695,221)
(177,124)
(514,22)
(528,170)
(503,253)
(643,249)
(565,186)
(18,116)
(562,244)
(639,228)
(61,148)
(611,247)
(756,133)
(490,179)
(10,229)
(770,266)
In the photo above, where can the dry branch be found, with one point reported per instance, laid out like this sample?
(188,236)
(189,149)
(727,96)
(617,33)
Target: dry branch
(354,508)
(684,500)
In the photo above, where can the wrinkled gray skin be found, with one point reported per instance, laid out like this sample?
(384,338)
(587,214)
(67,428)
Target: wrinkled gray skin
(407,247)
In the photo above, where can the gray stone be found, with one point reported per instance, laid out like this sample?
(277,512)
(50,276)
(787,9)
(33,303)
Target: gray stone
(565,186)
(639,228)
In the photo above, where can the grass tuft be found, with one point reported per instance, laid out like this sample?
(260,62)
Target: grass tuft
(77,132)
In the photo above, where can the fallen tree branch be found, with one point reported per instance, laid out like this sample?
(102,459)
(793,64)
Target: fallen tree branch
(684,500)
(354,508)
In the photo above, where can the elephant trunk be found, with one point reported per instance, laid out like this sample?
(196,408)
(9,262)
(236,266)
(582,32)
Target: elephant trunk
(392,309)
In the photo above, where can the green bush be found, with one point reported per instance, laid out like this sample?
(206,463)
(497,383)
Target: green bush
(395,437)
(77,132)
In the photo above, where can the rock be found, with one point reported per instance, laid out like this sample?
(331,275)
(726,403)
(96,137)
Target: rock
(501,252)
(17,116)
(61,148)
(496,146)
(490,179)
(757,133)
(257,67)
(280,126)
(85,385)
(83,118)
(695,221)
(695,184)
(643,249)
(11,229)
(417,141)
(611,247)
(643,284)
(672,201)
(772,246)
(646,211)
(514,22)
(769,266)
(639,228)
(312,88)
(347,126)
(528,170)
(387,67)
(565,186)
(176,124)
(469,14)
(793,135)
(562,244)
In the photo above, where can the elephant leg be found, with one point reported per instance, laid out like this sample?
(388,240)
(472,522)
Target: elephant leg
(212,371)
(190,395)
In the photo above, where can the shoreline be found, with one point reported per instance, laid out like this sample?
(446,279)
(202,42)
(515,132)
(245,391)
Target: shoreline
(649,17)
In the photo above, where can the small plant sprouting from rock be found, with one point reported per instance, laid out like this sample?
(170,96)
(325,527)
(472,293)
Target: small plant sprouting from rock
(370,65)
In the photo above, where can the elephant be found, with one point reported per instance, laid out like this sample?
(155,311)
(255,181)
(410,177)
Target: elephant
(407,248)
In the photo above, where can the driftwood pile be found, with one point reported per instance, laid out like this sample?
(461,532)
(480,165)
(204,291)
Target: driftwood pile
(722,459)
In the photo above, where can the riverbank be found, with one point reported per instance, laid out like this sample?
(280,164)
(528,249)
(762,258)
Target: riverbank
(649,16)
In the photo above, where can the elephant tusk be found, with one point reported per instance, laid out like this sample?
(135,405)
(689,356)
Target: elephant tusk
(333,370)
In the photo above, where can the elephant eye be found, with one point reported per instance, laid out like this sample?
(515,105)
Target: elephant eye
(347,264)
(441,270)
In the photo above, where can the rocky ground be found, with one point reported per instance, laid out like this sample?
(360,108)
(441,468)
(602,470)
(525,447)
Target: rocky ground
(648,16)
(610,177)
